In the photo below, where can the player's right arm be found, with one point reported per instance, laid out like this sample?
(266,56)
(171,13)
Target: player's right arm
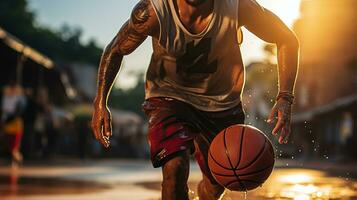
(142,23)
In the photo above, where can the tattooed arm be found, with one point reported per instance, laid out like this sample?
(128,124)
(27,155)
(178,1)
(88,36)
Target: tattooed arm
(142,23)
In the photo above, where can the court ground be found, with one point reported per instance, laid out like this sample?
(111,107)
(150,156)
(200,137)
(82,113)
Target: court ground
(137,180)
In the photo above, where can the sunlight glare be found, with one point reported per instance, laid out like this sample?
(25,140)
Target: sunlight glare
(296,178)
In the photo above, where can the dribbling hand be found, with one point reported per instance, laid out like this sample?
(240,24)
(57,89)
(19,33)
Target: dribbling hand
(281,110)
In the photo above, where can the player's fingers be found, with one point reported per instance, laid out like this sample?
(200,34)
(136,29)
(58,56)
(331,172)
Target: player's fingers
(98,132)
(285,132)
(279,125)
(287,129)
(282,135)
(105,141)
(272,116)
(95,129)
(102,138)
(97,125)
(108,127)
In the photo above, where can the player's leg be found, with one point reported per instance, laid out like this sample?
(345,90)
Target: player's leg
(208,188)
(175,175)
(170,137)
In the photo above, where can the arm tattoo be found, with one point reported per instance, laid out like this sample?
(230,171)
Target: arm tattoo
(141,15)
(130,36)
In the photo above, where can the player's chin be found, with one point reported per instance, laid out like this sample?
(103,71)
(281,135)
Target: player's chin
(195,2)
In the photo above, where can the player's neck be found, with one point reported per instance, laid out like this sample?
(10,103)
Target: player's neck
(193,9)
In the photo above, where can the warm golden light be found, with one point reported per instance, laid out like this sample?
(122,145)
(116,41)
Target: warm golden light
(296,178)
(302,184)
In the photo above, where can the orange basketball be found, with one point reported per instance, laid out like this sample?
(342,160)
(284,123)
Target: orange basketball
(241,158)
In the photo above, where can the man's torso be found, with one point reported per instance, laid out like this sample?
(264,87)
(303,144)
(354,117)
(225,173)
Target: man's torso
(203,69)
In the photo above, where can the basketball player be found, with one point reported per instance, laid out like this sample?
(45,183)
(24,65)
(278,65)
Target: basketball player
(194,81)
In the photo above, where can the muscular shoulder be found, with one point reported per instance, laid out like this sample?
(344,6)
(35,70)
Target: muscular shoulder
(143,18)
(248,9)
(248,3)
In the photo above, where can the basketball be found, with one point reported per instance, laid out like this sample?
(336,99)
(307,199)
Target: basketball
(241,158)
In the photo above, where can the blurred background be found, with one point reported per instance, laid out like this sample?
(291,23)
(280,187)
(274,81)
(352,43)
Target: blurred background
(49,55)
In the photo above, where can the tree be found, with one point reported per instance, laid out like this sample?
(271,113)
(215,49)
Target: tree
(64,45)
(129,99)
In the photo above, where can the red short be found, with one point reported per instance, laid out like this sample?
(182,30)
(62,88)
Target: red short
(14,141)
(175,126)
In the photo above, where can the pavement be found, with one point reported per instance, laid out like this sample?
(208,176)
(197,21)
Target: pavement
(137,180)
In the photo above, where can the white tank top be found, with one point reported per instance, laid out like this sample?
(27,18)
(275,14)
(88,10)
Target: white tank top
(204,69)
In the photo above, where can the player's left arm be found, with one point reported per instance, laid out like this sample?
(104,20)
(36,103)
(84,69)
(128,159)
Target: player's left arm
(270,28)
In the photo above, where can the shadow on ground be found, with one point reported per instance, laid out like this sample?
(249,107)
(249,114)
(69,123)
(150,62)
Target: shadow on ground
(23,186)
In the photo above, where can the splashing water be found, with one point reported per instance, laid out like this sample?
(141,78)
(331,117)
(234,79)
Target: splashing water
(192,195)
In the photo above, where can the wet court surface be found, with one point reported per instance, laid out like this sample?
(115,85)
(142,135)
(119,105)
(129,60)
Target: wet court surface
(136,180)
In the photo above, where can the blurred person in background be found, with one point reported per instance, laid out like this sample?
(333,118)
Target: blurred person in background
(45,125)
(12,104)
(50,134)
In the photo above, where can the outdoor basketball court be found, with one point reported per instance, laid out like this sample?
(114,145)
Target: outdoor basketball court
(137,180)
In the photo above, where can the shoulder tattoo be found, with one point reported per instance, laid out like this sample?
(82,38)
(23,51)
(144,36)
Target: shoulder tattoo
(134,31)
(141,15)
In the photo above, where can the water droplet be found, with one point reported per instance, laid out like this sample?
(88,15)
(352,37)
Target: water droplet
(192,195)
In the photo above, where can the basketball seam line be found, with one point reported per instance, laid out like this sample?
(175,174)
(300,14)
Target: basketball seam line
(218,162)
(231,182)
(240,150)
(257,157)
(229,160)
(244,174)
